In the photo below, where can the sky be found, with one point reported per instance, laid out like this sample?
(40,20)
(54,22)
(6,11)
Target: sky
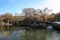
(16,6)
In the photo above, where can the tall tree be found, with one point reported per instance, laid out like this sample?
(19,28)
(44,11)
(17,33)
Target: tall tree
(28,12)
(44,13)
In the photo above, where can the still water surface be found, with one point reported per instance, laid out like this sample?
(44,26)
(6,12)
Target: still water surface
(22,34)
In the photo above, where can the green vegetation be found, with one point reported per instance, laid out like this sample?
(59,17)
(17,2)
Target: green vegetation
(57,16)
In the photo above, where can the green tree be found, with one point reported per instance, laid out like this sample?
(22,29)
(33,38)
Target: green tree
(57,17)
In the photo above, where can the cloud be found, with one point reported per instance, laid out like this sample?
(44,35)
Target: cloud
(52,4)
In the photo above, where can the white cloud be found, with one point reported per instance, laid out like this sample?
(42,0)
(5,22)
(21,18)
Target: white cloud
(52,4)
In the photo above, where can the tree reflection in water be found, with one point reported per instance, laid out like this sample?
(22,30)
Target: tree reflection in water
(40,35)
(22,34)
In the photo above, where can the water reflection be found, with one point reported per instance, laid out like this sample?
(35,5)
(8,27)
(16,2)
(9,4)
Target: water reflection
(23,34)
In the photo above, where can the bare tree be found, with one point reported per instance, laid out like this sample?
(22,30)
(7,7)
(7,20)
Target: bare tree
(28,12)
(44,13)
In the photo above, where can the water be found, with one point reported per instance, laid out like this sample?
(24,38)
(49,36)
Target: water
(22,34)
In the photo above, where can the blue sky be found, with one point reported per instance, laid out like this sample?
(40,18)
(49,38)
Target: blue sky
(16,6)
